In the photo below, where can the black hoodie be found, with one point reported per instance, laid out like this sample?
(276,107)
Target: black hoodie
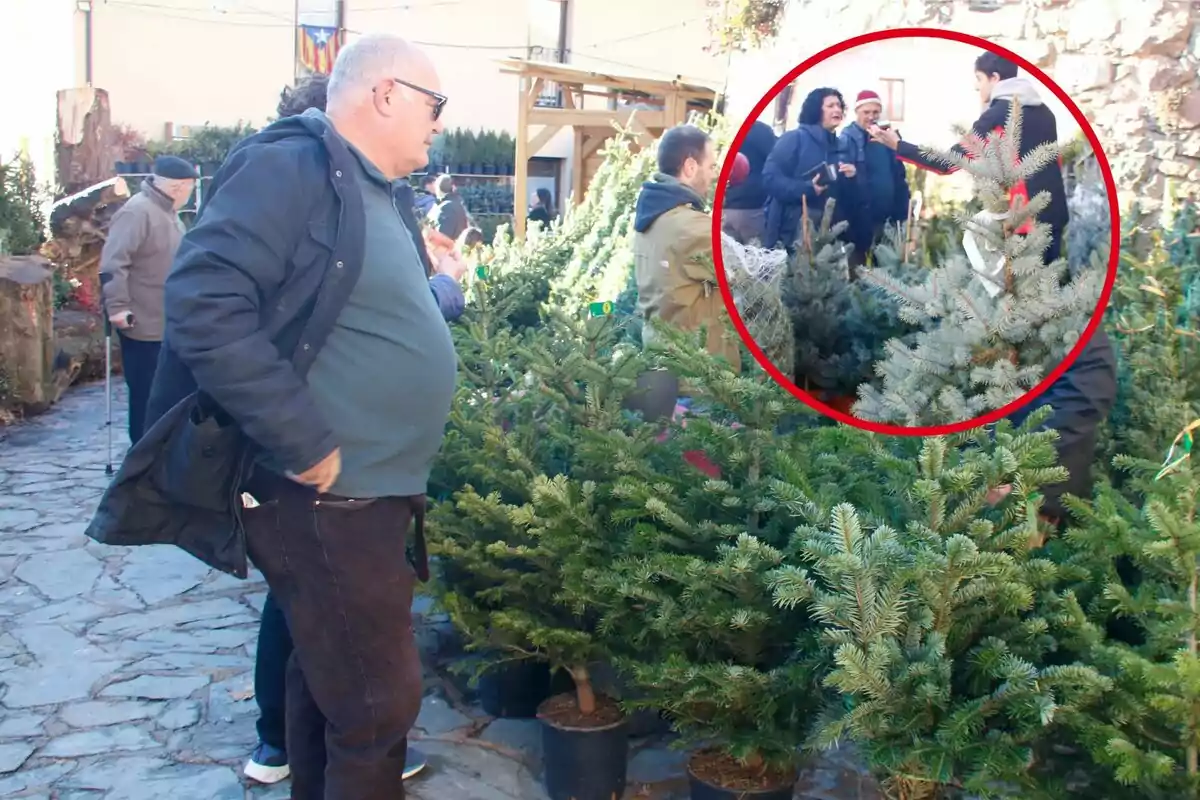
(659,195)
(751,193)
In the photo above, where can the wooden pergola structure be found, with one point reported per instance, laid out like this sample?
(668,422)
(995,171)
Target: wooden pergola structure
(553,96)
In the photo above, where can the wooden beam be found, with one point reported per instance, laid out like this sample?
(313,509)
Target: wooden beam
(543,138)
(577,165)
(562,73)
(675,109)
(595,118)
(535,89)
(521,172)
(590,148)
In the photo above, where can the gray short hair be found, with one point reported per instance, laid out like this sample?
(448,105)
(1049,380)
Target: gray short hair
(364,61)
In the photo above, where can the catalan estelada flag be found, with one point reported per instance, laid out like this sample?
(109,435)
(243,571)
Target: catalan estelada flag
(318,47)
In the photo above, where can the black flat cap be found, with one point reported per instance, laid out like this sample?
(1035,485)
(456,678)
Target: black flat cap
(174,168)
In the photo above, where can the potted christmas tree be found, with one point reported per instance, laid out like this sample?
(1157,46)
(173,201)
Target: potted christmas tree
(507,150)
(471,583)
(692,606)
(468,153)
(991,324)
(1136,544)
(841,324)
(1143,563)
(558,526)
(944,626)
(487,153)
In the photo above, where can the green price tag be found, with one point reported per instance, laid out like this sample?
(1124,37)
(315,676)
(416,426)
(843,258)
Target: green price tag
(481,272)
(600,309)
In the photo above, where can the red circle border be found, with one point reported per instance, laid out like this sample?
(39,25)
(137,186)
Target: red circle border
(928,430)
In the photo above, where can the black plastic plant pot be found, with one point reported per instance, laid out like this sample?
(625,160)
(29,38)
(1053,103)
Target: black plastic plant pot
(702,789)
(584,763)
(515,689)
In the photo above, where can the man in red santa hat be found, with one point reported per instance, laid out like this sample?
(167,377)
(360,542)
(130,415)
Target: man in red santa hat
(881,183)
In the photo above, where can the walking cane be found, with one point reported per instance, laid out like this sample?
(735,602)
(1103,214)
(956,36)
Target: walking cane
(108,465)
(108,328)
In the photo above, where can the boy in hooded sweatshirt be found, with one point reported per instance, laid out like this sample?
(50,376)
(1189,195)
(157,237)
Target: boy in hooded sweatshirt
(998,83)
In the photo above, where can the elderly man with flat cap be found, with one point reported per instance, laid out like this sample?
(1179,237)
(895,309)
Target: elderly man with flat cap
(142,240)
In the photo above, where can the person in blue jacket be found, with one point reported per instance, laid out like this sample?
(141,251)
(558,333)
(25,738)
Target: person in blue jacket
(882,193)
(804,171)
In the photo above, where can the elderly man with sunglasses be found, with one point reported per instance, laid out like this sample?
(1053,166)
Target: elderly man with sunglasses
(300,304)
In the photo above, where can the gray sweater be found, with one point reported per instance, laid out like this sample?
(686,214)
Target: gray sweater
(384,379)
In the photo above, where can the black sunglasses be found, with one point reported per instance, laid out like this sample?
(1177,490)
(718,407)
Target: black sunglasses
(438,99)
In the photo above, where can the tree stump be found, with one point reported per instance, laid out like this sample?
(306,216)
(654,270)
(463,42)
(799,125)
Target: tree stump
(79,340)
(26,334)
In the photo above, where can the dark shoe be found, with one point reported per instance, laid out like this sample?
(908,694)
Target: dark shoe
(414,762)
(267,765)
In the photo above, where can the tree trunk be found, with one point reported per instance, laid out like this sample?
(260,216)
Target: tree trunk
(26,334)
(585,693)
(1193,754)
(85,153)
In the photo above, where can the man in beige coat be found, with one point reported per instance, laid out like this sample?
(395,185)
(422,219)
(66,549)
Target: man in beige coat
(672,245)
(142,239)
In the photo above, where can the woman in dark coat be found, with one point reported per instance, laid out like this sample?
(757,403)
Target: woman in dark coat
(803,169)
(543,208)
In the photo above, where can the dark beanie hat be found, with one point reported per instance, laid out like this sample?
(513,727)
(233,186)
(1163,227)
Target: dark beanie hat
(174,168)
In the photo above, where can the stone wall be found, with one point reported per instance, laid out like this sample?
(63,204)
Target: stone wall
(1130,65)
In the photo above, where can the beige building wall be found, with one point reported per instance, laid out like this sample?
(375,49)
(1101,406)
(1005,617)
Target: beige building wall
(227,64)
(173,63)
(662,40)
(224,62)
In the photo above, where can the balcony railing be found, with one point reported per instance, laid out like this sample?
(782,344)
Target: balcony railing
(551,95)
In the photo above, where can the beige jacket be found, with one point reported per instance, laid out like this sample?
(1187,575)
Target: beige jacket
(677,282)
(140,247)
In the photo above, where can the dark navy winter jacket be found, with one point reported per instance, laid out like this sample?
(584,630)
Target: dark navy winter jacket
(756,147)
(881,198)
(788,178)
(1038,127)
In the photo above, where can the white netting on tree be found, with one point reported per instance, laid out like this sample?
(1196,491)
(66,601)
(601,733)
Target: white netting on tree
(755,276)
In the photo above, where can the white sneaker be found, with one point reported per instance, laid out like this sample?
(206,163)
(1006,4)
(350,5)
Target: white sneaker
(267,765)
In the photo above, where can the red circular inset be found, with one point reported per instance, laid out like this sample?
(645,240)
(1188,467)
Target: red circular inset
(927,430)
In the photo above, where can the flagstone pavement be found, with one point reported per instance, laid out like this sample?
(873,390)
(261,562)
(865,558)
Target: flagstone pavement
(126,673)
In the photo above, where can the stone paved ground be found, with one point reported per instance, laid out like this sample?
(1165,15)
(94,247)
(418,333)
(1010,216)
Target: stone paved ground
(126,673)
